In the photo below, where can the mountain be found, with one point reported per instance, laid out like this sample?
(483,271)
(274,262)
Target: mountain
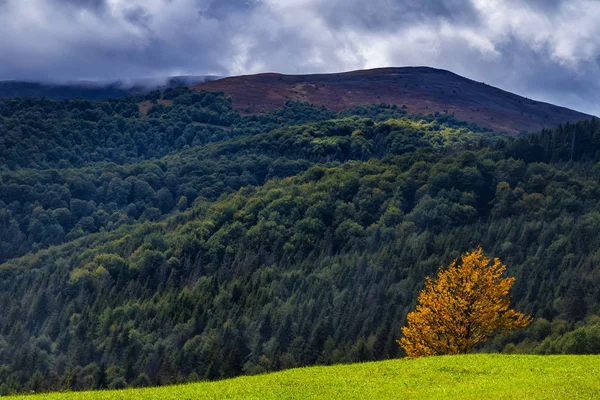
(94,90)
(184,240)
(423,90)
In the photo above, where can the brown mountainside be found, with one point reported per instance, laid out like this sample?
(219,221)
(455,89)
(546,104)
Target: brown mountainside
(422,89)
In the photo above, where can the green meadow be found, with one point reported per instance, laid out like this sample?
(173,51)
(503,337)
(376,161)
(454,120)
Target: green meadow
(478,376)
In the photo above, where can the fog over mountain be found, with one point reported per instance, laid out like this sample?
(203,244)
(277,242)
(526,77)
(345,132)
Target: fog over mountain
(94,89)
(547,50)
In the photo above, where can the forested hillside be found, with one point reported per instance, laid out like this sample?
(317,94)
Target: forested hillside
(50,202)
(191,242)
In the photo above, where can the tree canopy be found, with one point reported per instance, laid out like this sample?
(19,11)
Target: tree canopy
(214,248)
(464,305)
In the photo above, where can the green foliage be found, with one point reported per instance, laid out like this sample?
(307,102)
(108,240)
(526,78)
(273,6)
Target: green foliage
(288,239)
(578,141)
(41,208)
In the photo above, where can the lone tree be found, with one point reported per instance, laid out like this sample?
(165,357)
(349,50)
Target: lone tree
(464,305)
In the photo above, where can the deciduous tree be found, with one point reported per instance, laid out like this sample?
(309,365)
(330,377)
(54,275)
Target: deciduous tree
(467,303)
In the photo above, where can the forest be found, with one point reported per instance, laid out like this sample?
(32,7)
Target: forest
(189,242)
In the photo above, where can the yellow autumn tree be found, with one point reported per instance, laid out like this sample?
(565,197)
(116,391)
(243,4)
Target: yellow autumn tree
(464,305)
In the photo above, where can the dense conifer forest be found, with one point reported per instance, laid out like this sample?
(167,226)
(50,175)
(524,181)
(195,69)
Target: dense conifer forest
(168,238)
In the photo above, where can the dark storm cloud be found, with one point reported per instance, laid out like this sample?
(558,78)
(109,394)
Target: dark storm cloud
(542,5)
(94,4)
(223,9)
(547,49)
(137,16)
(387,15)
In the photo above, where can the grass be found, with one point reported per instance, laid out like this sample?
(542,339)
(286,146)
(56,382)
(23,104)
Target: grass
(479,376)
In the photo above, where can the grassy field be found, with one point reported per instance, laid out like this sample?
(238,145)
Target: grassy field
(462,377)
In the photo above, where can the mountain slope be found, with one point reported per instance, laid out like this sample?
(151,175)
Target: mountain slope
(457,377)
(264,242)
(321,267)
(423,90)
(38,152)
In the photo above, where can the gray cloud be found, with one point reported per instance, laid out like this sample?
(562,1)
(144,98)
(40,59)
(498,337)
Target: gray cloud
(223,9)
(390,15)
(545,49)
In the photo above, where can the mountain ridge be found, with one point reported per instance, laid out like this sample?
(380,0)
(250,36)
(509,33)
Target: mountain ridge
(423,90)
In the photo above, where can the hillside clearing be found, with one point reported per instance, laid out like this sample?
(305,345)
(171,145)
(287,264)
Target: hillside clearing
(463,377)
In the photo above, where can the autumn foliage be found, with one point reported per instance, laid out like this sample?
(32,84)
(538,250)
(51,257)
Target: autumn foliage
(464,305)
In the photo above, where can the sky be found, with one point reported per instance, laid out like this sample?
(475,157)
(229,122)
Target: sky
(548,50)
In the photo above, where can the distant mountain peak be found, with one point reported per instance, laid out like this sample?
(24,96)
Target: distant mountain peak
(423,90)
